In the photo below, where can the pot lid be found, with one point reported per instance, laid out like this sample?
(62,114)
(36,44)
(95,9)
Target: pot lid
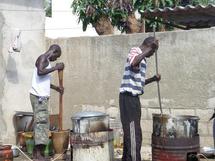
(21,113)
(207,150)
(88,114)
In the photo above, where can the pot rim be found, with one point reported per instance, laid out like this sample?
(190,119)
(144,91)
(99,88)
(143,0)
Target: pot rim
(167,116)
(88,114)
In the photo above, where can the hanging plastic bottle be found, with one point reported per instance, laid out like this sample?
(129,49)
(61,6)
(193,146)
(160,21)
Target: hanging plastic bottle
(16,43)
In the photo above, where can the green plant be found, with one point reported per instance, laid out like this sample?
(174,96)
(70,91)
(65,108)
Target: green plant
(202,2)
(118,18)
(48,8)
(142,5)
(132,6)
(90,11)
(120,14)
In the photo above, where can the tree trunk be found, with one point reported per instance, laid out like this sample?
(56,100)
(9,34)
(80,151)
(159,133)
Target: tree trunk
(104,26)
(162,28)
(133,25)
(142,28)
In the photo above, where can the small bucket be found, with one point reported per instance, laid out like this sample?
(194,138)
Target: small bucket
(60,141)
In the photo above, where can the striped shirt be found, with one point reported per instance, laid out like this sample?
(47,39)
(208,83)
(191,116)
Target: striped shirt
(133,79)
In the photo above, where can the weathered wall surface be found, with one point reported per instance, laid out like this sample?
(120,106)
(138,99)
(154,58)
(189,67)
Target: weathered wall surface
(94,68)
(2,124)
(16,68)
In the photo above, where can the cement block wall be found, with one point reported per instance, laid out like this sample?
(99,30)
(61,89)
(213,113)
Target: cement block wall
(94,68)
(16,68)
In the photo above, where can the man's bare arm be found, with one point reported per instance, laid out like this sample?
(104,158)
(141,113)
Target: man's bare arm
(42,63)
(140,57)
(146,53)
(153,79)
(56,88)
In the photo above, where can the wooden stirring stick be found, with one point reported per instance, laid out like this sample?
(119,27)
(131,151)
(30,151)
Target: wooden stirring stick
(60,76)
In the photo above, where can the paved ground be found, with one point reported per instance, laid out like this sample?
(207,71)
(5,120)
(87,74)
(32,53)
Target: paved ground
(146,156)
(21,158)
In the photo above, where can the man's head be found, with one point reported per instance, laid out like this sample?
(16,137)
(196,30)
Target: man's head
(55,52)
(150,42)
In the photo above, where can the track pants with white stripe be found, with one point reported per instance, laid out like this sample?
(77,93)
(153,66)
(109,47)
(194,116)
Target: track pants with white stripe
(130,113)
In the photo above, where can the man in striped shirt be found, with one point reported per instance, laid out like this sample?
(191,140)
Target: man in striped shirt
(131,87)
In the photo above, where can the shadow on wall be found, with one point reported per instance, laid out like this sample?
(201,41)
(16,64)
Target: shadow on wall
(11,70)
(2,124)
(2,64)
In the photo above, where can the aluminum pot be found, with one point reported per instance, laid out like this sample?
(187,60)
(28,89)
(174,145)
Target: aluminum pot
(181,126)
(15,151)
(209,152)
(90,121)
(23,121)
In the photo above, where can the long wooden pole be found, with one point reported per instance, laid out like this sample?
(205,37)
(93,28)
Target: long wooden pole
(60,76)
(156,66)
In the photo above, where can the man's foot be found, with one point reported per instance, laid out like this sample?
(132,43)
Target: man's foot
(38,153)
(41,160)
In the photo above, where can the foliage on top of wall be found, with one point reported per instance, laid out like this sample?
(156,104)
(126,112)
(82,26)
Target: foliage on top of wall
(121,12)
(48,8)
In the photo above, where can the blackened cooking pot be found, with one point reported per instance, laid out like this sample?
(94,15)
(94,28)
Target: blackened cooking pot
(181,126)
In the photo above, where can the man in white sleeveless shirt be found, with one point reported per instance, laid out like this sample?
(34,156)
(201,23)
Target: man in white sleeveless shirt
(39,96)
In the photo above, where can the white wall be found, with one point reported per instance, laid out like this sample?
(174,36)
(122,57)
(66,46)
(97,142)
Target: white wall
(64,23)
(16,69)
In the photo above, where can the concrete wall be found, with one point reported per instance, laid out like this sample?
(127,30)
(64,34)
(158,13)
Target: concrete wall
(16,68)
(94,68)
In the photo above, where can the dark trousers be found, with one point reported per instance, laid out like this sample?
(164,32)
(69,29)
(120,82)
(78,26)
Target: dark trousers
(130,113)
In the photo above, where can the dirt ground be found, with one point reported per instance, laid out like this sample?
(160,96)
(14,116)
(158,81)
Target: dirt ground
(145,151)
(21,158)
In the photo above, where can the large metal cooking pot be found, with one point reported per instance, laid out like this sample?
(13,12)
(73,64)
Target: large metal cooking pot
(181,126)
(209,152)
(90,121)
(23,121)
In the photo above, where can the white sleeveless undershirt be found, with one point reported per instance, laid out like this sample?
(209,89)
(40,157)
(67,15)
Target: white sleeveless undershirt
(41,84)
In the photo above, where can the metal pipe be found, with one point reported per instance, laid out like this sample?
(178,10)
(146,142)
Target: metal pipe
(158,84)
